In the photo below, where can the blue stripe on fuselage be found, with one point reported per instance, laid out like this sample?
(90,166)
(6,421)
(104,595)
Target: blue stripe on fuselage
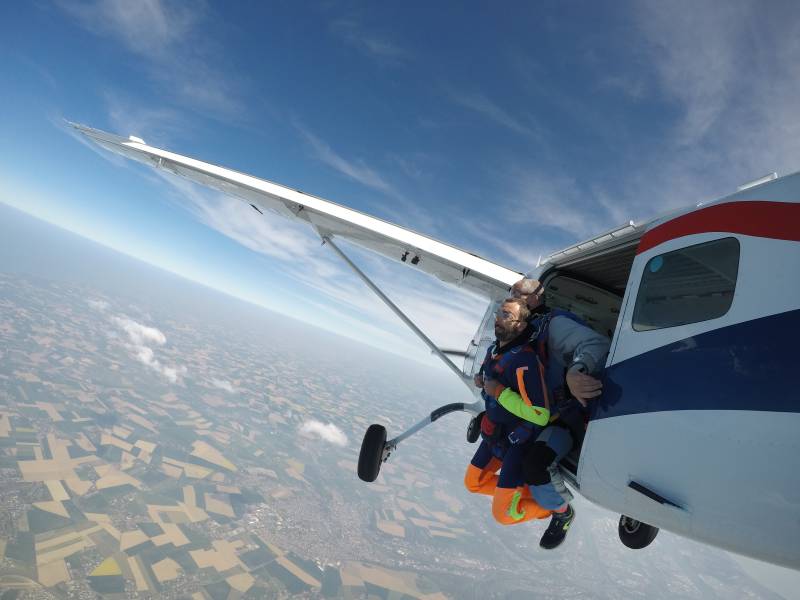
(747,366)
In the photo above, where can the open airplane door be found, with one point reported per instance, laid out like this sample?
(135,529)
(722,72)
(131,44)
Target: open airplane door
(697,428)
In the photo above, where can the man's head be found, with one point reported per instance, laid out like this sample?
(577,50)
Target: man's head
(530,291)
(510,320)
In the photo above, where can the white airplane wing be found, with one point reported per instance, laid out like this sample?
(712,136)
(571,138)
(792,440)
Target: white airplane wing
(448,263)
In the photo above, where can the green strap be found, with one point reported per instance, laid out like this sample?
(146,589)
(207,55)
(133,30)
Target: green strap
(513,403)
(513,510)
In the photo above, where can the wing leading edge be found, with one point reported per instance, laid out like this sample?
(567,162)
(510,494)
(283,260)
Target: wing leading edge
(448,263)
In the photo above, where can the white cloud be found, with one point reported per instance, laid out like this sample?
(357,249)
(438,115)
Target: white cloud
(731,72)
(325,431)
(300,256)
(357,171)
(100,305)
(147,27)
(554,199)
(376,47)
(697,57)
(140,338)
(481,104)
(223,385)
(174,49)
(140,334)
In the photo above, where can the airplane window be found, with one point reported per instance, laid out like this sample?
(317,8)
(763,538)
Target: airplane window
(482,340)
(687,286)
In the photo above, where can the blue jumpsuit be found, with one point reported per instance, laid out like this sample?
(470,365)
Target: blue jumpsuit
(507,436)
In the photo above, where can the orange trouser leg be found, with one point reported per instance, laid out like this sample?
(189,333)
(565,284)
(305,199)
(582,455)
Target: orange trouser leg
(512,505)
(482,481)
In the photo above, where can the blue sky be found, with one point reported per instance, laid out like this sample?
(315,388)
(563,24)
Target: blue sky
(509,130)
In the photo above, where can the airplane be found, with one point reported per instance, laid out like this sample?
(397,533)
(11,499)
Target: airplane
(697,430)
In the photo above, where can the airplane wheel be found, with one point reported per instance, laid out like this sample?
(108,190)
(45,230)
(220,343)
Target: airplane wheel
(371,455)
(474,428)
(635,534)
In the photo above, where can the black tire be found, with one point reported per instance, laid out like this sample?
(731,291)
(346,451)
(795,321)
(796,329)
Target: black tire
(635,534)
(474,428)
(371,455)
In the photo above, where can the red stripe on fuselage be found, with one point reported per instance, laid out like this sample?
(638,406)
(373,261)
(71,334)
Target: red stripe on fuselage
(777,220)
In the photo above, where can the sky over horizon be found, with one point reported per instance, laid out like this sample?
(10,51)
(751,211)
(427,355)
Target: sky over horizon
(508,130)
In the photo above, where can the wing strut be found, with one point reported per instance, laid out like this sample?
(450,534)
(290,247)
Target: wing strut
(326,239)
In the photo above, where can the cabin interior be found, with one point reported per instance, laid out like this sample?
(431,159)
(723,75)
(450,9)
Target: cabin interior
(591,286)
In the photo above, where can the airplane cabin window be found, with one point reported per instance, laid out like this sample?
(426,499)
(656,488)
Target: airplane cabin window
(687,286)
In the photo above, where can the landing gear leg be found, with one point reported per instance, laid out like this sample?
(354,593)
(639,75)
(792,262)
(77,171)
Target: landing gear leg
(375,449)
(635,534)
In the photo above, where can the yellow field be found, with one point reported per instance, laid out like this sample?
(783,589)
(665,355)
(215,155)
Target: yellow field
(108,567)
(442,534)
(403,583)
(142,422)
(426,523)
(110,477)
(53,506)
(138,574)
(444,517)
(50,410)
(297,571)
(5,425)
(146,446)
(222,557)
(57,491)
(78,486)
(43,470)
(53,573)
(45,542)
(107,439)
(129,539)
(58,448)
(171,471)
(172,534)
(229,489)
(407,505)
(166,570)
(182,513)
(189,496)
(218,505)
(121,431)
(43,558)
(241,582)
(207,452)
(127,461)
(190,470)
(296,465)
(391,527)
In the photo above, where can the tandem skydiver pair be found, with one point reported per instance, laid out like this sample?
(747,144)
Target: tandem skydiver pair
(535,380)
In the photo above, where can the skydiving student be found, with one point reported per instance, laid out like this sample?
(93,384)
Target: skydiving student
(510,366)
(568,352)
